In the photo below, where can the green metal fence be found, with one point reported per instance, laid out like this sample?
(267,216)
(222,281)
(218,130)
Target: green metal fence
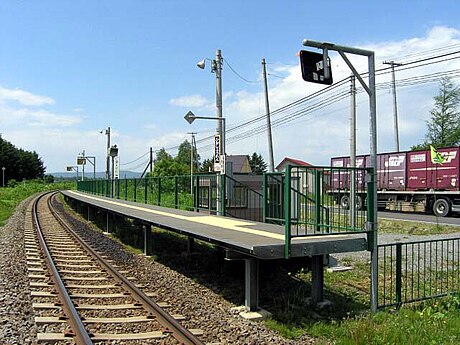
(305,200)
(197,193)
(415,271)
(243,201)
(273,207)
(180,192)
(312,201)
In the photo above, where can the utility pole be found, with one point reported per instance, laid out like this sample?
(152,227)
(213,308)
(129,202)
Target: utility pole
(107,167)
(218,70)
(216,67)
(84,163)
(395,107)
(221,131)
(269,125)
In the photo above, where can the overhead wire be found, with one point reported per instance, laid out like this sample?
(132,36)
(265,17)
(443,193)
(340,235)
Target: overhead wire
(135,160)
(239,75)
(323,98)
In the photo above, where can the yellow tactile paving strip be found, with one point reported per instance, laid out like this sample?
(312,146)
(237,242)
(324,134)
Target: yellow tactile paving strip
(224,223)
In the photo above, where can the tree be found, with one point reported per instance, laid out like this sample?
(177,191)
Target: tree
(166,165)
(162,154)
(443,127)
(257,163)
(183,155)
(20,164)
(207,165)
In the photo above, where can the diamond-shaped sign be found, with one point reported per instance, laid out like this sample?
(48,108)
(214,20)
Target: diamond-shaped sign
(190,117)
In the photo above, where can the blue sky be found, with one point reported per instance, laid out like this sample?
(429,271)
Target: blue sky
(71,68)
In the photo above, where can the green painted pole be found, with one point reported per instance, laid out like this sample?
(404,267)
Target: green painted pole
(287,212)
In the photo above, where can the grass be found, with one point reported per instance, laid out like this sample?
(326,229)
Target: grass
(434,322)
(348,321)
(414,228)
(11,197)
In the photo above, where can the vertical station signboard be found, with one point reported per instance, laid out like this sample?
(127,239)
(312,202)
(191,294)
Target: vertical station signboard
(217,157)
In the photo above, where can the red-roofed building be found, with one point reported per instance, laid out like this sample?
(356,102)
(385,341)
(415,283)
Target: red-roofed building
(286,160)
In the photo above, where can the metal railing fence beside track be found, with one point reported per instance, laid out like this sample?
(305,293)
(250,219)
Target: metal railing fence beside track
(196,193)
(416,271)
(178,192)
(242,200)
(307,201)
(312,201)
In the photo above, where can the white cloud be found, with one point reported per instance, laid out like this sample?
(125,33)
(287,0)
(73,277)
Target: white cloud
(25,117)
(193,101)
(150,126)
(24,97)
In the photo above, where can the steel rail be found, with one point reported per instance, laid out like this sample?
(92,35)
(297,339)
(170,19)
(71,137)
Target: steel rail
(178,331)
(80,335)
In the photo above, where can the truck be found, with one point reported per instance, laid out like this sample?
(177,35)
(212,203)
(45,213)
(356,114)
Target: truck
(420,181)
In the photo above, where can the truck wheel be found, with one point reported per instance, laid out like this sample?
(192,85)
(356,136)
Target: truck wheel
(345,202)
(441,207)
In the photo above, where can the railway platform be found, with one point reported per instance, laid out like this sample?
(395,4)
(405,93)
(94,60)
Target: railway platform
(250,241)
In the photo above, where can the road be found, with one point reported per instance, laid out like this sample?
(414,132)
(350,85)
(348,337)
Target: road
(419,217)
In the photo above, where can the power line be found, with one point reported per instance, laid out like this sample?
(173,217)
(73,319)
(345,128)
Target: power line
(239,75)
(323,98)
(135,160)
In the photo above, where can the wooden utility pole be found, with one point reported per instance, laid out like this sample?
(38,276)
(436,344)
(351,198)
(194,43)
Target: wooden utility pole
(269,125)
(395,107)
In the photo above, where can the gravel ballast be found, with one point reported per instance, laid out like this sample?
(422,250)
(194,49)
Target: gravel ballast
(17,325)
(202,307)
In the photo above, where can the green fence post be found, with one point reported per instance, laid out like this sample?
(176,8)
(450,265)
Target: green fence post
(264,198)
(317,199)
(159,191)
(135,190)
(287,210)
(224,194)
(195,193)
(398,273)
(145,190)
(370,209)
(176,191)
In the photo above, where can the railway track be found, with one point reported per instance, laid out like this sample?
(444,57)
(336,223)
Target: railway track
(80,297)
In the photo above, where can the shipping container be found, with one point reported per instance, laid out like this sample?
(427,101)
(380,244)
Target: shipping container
(409,180)
(423,174)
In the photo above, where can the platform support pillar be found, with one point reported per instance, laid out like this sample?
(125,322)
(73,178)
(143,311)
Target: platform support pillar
(251,281)
(190,244)
(89,213)
(317,279)
(147,240)
(107,223)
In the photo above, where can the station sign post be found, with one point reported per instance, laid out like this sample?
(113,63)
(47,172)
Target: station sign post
(313,70)
(369,88)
